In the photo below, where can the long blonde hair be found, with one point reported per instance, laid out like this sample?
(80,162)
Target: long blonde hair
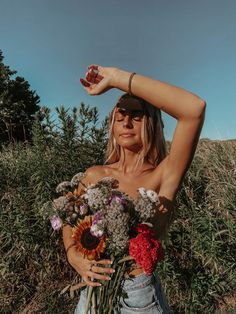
(152,136)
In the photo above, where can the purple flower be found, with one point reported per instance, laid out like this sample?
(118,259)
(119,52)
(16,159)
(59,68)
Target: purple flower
(56,222)
(83,209)
(120,199)
(95,231)
(97,217)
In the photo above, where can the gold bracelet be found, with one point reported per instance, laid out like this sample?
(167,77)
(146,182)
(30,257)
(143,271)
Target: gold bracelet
(130,81)
(69,247)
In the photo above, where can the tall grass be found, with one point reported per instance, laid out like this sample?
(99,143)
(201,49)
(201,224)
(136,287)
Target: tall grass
(198,273)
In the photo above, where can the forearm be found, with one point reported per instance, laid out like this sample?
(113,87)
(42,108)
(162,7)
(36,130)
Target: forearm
(67,236)
(173,100)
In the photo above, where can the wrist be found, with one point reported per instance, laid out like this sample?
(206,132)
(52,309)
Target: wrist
(70,247)
(121,79)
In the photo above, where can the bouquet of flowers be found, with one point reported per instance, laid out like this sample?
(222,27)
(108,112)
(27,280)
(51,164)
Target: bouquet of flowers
(107,223)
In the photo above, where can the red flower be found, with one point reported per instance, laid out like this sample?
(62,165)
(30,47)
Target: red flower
(146,249)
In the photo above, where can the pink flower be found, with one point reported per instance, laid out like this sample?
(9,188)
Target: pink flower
(83,209)
(146,249)
(95,231)
(56,222)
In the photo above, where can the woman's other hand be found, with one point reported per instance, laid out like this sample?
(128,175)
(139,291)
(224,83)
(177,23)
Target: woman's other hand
(89,270)
(99,79)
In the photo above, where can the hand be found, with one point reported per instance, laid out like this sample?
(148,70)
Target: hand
(99,79)
(89,270)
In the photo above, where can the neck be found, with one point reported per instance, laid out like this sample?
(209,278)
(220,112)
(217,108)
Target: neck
(128,161)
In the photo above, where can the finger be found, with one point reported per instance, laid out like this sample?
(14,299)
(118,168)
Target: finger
(99,77)
(97,276)
(93,66)
(103,261)
(98,89)
(97,269)
(92,283)
(84,82)
(92,76)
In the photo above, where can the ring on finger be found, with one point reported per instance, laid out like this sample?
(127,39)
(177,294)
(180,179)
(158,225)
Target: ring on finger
(91,266)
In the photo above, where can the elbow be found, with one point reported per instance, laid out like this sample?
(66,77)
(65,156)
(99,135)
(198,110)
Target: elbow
(196,111)
(201,108)
(202,104)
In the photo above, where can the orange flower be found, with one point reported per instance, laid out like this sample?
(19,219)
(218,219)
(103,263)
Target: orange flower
(87,244)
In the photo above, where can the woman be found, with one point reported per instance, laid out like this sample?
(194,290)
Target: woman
(136,158)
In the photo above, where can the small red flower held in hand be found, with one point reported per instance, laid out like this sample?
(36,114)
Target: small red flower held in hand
(146,249)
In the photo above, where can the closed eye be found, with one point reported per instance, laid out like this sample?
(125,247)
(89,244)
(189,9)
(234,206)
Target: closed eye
(135,115)
(137,118)
(119,117)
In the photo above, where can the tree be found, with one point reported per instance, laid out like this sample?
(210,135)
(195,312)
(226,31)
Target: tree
(18,105)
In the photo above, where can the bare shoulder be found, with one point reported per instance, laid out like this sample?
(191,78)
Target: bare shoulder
(94,173)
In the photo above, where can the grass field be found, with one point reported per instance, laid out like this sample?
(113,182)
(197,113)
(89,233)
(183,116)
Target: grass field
(198,274)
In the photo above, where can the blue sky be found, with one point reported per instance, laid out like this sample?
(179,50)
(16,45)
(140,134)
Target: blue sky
(187,43)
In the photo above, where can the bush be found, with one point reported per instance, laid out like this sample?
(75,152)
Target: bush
(33,266)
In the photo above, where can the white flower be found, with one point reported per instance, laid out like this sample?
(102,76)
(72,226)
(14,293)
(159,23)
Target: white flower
(152,195)
(63,187)
(109,181)
(59,203)
(142,192)
(95,197)
(77,178)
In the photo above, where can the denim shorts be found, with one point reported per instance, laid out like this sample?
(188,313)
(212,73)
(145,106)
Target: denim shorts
(144,295)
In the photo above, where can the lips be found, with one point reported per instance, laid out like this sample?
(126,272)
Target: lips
(127,134)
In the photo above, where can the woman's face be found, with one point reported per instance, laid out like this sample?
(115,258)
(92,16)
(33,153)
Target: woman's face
(127,127)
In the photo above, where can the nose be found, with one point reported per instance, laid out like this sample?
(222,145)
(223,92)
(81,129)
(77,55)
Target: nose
(127,122)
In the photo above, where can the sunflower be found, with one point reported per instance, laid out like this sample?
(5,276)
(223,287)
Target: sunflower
(87,244)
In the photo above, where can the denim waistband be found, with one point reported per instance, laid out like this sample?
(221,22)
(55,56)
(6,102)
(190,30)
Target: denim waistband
(141,280)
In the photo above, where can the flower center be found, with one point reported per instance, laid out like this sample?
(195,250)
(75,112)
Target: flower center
(89,241)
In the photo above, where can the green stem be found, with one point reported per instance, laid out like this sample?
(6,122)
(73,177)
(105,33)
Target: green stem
(106,296)
(125,259)
(94,302)
(90,291)
(110,289)
(113,297)
(108,293)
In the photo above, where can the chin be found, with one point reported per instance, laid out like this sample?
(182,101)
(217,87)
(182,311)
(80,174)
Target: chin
(130,145)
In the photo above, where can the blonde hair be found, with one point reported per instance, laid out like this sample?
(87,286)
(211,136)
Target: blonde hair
(152,136)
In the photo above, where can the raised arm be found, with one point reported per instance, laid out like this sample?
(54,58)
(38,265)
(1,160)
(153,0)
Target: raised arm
(186,107)
(189,110)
